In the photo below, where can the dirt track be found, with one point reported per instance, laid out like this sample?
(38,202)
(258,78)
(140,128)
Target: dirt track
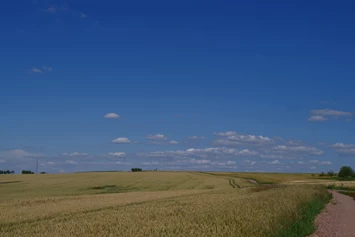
(338,218)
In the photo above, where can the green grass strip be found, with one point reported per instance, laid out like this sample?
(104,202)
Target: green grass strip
(303,225)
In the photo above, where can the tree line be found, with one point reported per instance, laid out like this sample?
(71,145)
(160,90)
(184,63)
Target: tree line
(344,172)
(27,172)
(7,172)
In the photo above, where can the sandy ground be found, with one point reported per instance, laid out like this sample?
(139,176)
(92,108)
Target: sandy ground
(338,218)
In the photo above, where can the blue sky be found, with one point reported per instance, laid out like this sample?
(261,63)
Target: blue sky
(193,85)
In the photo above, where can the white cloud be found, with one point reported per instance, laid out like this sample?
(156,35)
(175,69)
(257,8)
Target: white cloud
(173,142)
(121,140)
(314,161)
(298,149)
(157,137)
(312,168)
(48,163)
(82,15)
(250,162)
(344,149)
(225,142)
(18,154)
(117,154)
(231,138)
(151,163)
(70,162)
(122,163)
(203,153)
(317,118)
(300,162)
(225,134)
(275,162)
(196,138)
(330,112)
(325,163)
(198,163)
(250,138)
(342,145)
(47,68)
(36,70)
(75,154)
(52,9)
(111,116)
(271,156)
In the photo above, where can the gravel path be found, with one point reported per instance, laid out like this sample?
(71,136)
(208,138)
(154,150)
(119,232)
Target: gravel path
(338,218)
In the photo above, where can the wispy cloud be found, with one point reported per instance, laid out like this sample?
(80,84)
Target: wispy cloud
(111,116)
(49,69)
(36,70)
(117,154)
(51,9)
(317,118)
(75,154)
(64,8)
(39,70)
(196,138)
(319,115)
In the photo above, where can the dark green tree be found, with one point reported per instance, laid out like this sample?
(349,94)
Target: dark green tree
(345,172)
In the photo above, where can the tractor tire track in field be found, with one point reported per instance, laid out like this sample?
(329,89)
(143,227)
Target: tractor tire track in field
(233,183)
(179,183)
(196,184)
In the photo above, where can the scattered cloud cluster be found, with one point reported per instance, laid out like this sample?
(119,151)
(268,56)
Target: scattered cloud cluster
(298,149)
(232,138)
(202,153)
(344,149)
(319,115)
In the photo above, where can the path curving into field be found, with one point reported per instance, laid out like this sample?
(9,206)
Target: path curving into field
(337,219)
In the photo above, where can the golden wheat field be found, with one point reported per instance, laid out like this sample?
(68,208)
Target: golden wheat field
(148,204)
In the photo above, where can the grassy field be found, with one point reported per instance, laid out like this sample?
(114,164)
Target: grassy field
(155,204)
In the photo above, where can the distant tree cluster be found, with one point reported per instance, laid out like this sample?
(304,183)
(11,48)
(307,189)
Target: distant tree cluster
(27,172)
(7,172)
(344,172)
(136,169)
